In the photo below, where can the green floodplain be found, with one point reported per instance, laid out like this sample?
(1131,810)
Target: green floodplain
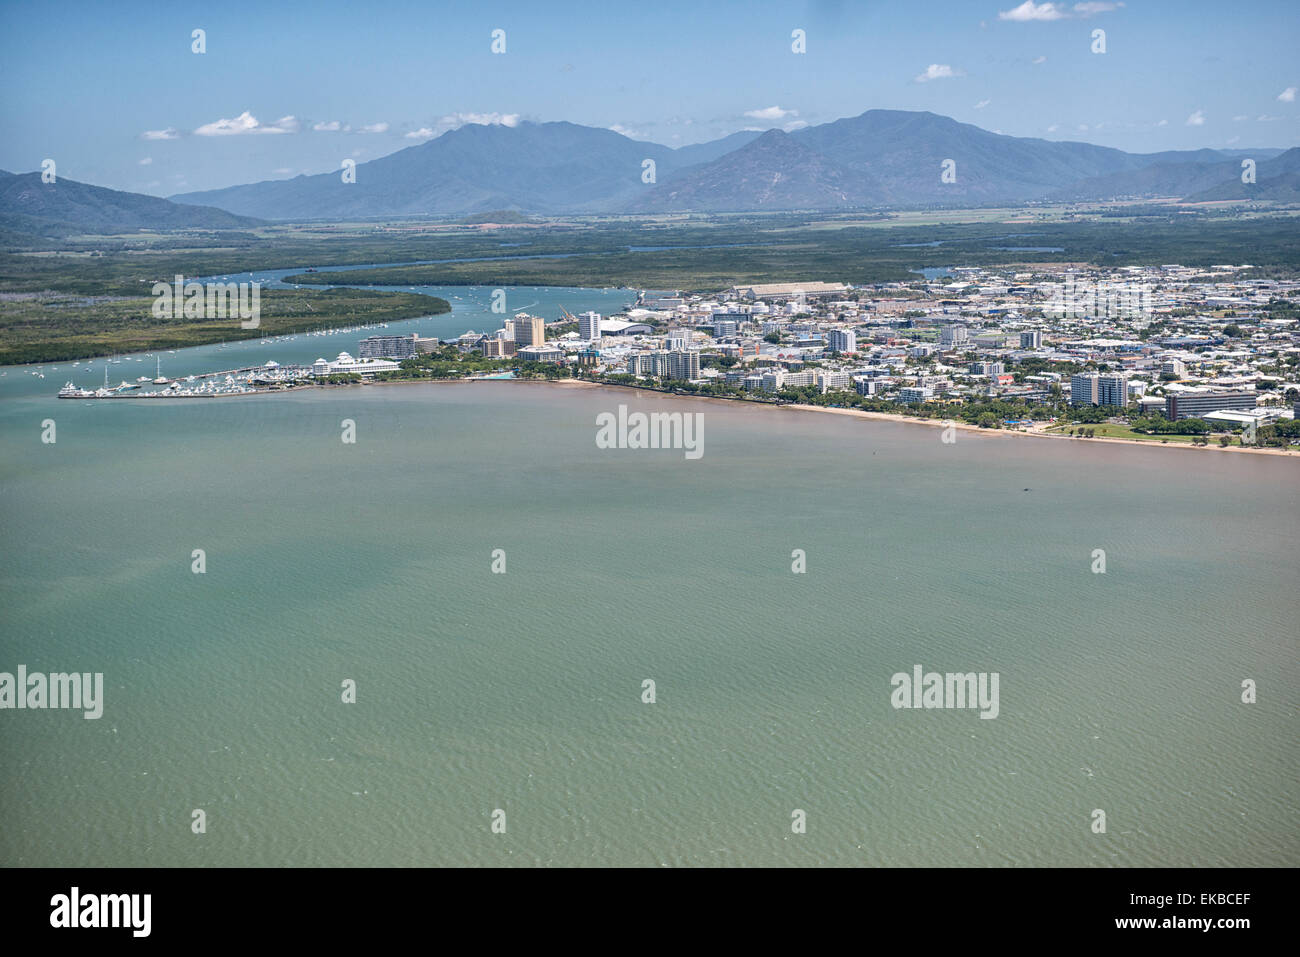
(53,326)
(87,296)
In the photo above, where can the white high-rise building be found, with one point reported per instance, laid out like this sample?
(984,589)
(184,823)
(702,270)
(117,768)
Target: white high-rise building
(683,364)
(1083,389)
(589,326)
(1112,390)
(952,336)
(843,340)
(1094,389)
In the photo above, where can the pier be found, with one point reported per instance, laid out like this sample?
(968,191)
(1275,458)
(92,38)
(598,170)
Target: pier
(250,380)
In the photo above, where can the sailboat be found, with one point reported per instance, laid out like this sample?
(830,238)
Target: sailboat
(161,380)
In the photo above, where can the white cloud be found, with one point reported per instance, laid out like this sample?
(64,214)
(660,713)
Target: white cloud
(1088,9)
(628,132)
(453,120)
(794,125)
(938,71)
(333,126)
(1053,128)
(146,161)
(770,113)
(1287,95)
(1163,123)
(168,134)
(1265,118)
(1240,118)
(1197,118)
(282,171)
(1039,59)
(1233,139)
(982,103)
(380,127)
(1029,11)
(246,123)
(1033,11)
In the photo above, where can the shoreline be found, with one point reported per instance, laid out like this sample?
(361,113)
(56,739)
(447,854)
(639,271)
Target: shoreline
(1041,434)
(931,423)
(797,407)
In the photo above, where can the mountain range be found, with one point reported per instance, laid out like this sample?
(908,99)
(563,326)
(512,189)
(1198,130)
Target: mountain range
(882,158)
(65,207)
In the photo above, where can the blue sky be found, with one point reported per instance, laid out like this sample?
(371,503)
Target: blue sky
(113,92)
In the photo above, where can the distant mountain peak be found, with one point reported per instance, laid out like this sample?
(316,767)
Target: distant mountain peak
(880,157)
(28,205)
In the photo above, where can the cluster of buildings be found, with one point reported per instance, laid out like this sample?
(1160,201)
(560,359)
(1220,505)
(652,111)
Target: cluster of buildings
(1178,340)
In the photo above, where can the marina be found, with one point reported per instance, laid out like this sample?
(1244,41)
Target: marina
(250,380)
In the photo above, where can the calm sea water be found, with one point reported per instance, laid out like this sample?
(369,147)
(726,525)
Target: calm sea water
(522,691)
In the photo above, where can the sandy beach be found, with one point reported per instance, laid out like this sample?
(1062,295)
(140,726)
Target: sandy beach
(1043,434)
(1038,432)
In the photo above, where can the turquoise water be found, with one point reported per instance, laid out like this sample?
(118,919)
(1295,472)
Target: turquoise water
(471,308)
(522,691)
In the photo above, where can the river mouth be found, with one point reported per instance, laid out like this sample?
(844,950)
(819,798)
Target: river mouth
(473,308)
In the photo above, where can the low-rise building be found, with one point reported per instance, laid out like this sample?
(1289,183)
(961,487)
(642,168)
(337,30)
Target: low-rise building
(1194,404)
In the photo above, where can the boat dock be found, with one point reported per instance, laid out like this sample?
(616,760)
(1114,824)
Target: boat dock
(249,380)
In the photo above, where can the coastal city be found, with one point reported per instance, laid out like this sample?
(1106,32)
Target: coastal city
(1159,353)
(651,437)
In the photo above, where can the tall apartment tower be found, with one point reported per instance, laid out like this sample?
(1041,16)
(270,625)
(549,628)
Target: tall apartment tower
(589,326)
(684,364)
(529,330)
(1083,389)
(843,340)
(1093,389)
(1112,390)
